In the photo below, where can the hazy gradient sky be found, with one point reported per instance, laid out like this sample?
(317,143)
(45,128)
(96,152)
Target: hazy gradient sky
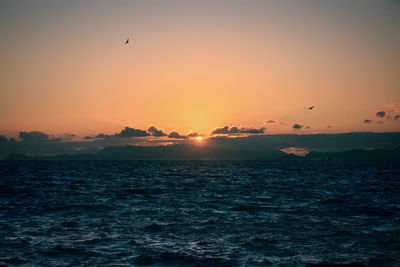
(195,65)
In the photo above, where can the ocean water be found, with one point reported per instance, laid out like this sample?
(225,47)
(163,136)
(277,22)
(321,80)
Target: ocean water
(199,213)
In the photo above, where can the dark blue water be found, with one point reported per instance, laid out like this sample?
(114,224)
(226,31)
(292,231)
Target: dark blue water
(199,213)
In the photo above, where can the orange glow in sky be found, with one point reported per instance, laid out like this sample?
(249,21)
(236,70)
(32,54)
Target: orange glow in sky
(65,67)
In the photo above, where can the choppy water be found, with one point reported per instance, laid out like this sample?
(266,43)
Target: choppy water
(199,213)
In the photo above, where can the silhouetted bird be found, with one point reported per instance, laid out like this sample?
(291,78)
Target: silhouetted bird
(310,108)
(127,41)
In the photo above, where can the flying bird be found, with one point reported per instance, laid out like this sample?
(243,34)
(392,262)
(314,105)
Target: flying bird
(310,108)
(127,41)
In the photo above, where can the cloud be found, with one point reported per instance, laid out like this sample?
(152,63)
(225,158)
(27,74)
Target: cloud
(225,130)
(101,135)
(156,132)
(176,135)
(329,126)
(392,117)
(367,121)
(380,114)
(125,133)
(88,137)
(131,132)
(273,122)
(297,126)
(252,130)
(308,127)
(68,136)
(235,130)
(33,136)
(193,134)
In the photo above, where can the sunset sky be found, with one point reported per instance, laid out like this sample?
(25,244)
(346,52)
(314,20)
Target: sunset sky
(196,65)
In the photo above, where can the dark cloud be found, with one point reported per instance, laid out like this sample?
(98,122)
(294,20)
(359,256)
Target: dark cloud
(273,122)
(308,127)
(68,136)
(125,133)
(367,121)
(131,132)
(33,136)
(193,134)
(235,130)
(380,114)
(252,130)
(297,126)
(156,132)
(224,130)
(396,117)
(329,126)
(176,135)
(101,135)
(37,136)
(88,137)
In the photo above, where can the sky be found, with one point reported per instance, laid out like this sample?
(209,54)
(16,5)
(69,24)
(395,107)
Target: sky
(198,65)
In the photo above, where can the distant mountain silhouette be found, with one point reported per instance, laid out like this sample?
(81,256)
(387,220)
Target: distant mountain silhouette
(216,147)
(169,152)
(358,154)
(17,156)
(193,152)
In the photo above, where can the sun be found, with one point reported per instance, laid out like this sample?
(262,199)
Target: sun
(199,138)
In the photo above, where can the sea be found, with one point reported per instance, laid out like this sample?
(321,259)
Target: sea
(199,213)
